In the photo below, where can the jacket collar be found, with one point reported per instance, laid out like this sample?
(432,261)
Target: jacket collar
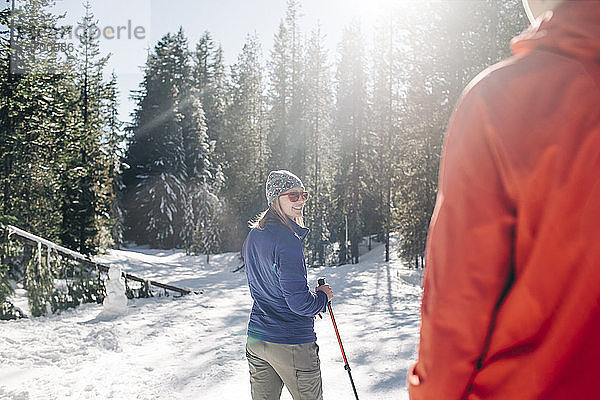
(299,231)
(572,28)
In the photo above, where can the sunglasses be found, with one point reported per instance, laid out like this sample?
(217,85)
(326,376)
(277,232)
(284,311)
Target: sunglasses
(295,196)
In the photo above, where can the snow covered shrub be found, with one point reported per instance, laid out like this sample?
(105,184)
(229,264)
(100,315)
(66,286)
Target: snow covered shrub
(9,272)
(206,235)
(55,283)
(141,290)
(39,283)
(5,289)
(75,284)
(7,310)
(53,280)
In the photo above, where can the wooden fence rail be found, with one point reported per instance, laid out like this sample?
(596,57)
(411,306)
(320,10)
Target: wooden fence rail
(86,259)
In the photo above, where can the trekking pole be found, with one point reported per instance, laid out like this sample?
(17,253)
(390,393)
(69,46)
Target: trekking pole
(346,365)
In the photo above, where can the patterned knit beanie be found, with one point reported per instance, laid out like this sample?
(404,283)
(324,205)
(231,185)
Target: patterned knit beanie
(279,182)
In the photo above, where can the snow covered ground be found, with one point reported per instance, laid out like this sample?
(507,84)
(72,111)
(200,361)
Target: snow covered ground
(193,347)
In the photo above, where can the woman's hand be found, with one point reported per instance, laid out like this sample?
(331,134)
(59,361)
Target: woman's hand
(327,290)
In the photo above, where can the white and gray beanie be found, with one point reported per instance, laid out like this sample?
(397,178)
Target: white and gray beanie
(279,182)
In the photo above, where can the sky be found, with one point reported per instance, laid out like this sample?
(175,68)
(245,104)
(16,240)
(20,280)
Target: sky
(131,28)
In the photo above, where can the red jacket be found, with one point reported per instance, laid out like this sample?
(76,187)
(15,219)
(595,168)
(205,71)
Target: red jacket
(511,301)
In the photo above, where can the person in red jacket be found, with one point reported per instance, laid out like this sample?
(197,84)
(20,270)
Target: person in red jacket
(511,297)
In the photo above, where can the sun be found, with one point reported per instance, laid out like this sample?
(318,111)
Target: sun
(369,10)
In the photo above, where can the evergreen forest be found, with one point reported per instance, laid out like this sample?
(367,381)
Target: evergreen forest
(362,126)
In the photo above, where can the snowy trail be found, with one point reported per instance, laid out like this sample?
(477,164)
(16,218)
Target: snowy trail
(193,347)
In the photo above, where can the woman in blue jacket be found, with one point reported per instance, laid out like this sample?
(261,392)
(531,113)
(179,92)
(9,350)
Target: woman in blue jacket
(281,347)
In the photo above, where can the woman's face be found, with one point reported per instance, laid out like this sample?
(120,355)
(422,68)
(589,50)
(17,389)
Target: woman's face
(289,208)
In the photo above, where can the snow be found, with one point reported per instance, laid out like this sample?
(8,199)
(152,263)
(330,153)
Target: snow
(192,347)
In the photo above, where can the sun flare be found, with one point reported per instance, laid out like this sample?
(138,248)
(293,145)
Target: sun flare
(369,10)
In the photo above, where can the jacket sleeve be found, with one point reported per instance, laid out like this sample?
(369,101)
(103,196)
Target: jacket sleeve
(294,285)
(468,255)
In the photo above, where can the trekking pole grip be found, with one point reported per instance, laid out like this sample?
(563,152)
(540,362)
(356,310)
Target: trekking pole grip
(321,282)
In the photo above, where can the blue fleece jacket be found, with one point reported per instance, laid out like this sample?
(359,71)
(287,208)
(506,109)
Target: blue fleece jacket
(283,306)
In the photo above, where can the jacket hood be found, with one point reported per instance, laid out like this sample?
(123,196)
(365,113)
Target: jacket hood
(572,28)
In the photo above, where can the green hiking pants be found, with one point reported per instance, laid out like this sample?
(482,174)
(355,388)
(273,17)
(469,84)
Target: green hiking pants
(272,365)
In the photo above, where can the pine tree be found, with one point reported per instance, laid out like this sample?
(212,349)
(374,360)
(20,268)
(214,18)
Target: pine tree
(287,131)
(244,144)
(113,152)
(207,233)
(351,127)
(204,177)
(438,60)
(319,151)
(425,113)
(155,197)
(37,93)
(208,74)
(170,158)
(386,102)
(54,115)
(209,79)
(84,177)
